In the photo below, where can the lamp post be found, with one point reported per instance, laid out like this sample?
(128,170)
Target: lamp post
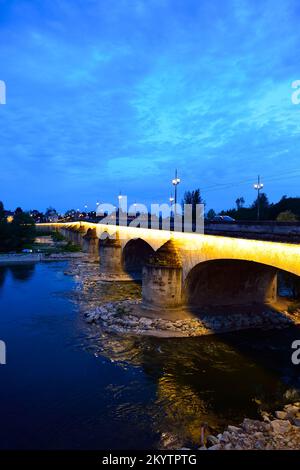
(171,199)
(258,186)
(120,197)
(175,183)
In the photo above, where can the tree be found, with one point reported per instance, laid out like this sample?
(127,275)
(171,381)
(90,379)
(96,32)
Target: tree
(18,211)
(240,203)
(2,212)
(3,229)
(18,233)
(51,214)
(193,198)
(263,201)
(37,215)
(70,214)
(210,214)
(285,204)
(263,205)
(286,216)
(21,229)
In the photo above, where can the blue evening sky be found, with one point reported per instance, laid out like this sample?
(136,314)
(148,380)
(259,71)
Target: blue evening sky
(112,95)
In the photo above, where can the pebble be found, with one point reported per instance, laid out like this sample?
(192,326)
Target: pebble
(212,440)
(281,414)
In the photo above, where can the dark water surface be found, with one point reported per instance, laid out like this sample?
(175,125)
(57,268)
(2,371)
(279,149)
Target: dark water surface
(69,385)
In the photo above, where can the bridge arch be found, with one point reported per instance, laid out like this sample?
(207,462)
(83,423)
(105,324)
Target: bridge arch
(135,255)
(222,282)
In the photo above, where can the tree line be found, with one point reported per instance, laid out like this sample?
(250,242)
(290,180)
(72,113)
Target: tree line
(17,233)
(287,209)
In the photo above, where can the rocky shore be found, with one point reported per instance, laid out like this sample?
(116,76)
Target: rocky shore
(130,317)
(278,432)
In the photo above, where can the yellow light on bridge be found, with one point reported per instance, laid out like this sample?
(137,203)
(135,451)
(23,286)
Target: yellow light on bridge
(194,246)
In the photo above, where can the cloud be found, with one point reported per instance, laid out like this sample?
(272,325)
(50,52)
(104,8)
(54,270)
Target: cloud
(102,97)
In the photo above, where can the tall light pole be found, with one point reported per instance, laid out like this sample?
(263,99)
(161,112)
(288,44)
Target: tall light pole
(171,199)
(119,209)
(175,183)
(258,186)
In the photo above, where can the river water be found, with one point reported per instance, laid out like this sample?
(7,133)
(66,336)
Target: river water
(69,385)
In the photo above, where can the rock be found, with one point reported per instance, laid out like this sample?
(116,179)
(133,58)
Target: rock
(279,426)
(225,436)
(90,318)
(216,447)
(212,440)
(266,416)
(259,445)
(247,425)
(296,422)
(228,446)
(231,428)
(291,410)
(281,414)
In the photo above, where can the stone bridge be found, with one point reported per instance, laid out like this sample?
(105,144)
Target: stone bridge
(186,268)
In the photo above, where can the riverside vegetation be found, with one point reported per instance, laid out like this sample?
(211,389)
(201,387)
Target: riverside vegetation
(17,234)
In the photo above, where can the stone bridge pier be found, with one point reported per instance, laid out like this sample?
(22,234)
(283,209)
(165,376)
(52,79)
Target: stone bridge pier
(81,232)
(90,244)
(110,251)
(162,279)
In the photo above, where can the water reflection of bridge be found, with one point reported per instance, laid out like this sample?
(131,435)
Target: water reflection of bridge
(213,380)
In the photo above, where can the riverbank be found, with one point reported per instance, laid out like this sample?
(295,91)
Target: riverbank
(280,431)
(27,258)
(128,315)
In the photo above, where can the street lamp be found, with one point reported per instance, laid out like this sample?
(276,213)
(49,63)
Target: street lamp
(171,199)
(258,186)
(120,197)
(175,183)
